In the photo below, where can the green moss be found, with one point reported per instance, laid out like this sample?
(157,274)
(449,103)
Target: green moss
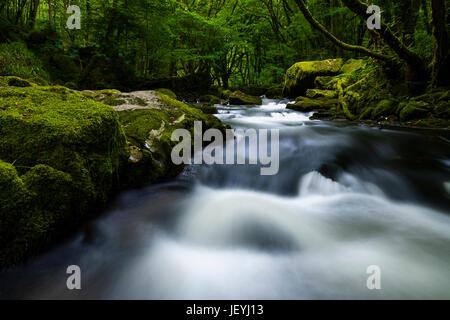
(317,93)
(209,99)
(413,110)
(301,75)
(240,98)
(304,104)
(67,149)
(150,130)
(384,108)
(13,193)
(167,92)
(352,65)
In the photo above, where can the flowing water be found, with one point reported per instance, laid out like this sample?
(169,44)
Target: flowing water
(347,197)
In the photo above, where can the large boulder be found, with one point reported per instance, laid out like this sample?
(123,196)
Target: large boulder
(240,98)
(301,75)
(62,153)
(149,118)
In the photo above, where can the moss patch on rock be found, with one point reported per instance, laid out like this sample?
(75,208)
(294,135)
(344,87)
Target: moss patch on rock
(167,92)
(304,104)
(317,93)
(240,98)
(301,75)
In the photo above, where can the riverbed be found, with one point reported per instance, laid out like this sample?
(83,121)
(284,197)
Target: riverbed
(347,196)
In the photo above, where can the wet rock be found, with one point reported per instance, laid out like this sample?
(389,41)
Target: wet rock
(240,98)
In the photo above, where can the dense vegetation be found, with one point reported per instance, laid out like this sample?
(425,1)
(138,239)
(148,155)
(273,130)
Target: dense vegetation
(234,43)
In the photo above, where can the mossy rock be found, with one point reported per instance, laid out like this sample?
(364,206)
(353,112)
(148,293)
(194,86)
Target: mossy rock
(301,75)
(442,110)
(167,92)
(384,109)
(67,150)
(304,104)
(206,109)
(150,131)
(225,94)
(434,97)
(209,99)
(317,93)
(323,82)
(240,98)
(353,65)
(413,110)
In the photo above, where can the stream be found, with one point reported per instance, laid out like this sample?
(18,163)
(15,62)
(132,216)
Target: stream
(347,196)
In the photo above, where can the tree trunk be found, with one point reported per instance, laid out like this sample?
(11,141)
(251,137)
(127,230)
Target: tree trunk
(441,52)
(50,11)
(414,61)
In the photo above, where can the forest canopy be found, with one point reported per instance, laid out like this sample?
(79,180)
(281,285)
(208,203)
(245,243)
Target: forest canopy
(234,42)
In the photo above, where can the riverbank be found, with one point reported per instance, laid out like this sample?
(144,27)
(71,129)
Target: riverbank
(64,153)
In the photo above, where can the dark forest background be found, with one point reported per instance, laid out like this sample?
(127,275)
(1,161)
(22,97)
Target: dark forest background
(127,44)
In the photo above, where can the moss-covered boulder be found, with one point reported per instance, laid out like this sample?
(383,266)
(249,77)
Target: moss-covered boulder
(148,127)
(301,75)
(353,65)
(323,82)
(167,92)
(240,98)
(64,151)
(317,93)
(209,99)
(304,104)
(414,110)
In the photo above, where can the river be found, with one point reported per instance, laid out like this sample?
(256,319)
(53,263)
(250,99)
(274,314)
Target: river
(347,196)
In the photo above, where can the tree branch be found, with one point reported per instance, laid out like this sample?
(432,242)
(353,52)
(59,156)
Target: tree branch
(316,24)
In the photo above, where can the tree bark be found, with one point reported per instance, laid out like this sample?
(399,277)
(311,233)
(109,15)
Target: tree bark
(440,63)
